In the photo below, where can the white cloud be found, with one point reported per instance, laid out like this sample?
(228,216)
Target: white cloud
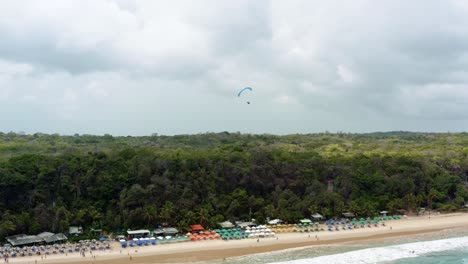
(99,64)
(8,68)
(346,75)
(286,100)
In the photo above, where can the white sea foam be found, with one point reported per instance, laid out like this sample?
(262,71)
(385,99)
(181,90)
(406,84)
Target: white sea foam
(388,253)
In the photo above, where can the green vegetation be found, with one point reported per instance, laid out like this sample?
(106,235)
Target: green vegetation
(48,182)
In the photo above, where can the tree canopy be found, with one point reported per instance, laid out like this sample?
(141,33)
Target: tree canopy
(49,182)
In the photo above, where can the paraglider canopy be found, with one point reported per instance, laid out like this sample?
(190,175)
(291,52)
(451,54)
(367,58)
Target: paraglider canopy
(243,90)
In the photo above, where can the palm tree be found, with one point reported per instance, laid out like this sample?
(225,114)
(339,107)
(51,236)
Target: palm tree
(149,213)
(7,226)
(167,211)
(203,215)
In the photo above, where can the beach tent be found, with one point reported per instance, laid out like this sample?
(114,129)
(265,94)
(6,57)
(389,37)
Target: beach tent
(137,241)
(123,243)
(305,221)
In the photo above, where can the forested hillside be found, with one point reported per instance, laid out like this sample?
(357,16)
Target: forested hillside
(48,182)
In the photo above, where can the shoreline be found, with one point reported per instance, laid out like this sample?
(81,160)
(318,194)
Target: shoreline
(212,250)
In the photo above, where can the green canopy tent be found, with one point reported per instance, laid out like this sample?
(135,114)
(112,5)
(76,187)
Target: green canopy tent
(305,221)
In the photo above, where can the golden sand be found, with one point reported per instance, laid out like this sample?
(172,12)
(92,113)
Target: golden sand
(186,252)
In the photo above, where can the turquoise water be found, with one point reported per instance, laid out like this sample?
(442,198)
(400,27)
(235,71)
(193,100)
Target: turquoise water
(441,247)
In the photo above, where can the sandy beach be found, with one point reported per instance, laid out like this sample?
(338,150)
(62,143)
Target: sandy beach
(186,252)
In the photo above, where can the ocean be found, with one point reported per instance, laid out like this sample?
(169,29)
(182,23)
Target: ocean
(444,247)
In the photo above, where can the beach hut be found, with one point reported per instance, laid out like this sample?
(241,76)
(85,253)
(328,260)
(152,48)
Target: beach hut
(226,224)
(275,222)
(97,231)
(384,213)
(170,231)
(316,217)
(305,221)
(75,230)
(138,233)
(245,224)
(196,228)
(349,215)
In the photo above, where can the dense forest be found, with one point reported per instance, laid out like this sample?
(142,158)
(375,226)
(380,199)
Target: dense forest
(49,182)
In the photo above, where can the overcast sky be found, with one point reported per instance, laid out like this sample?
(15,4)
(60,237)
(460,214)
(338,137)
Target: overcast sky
(175,67)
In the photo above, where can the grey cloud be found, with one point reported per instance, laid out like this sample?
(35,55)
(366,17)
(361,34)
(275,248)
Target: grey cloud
(315,66)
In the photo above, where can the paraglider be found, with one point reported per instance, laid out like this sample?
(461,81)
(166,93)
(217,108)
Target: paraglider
(243,90)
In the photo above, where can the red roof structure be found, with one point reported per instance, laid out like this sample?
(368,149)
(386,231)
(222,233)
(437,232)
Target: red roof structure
(196,227)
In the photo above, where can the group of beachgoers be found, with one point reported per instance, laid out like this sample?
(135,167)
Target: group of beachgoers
(81,247)
(264,231)
(254,232)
